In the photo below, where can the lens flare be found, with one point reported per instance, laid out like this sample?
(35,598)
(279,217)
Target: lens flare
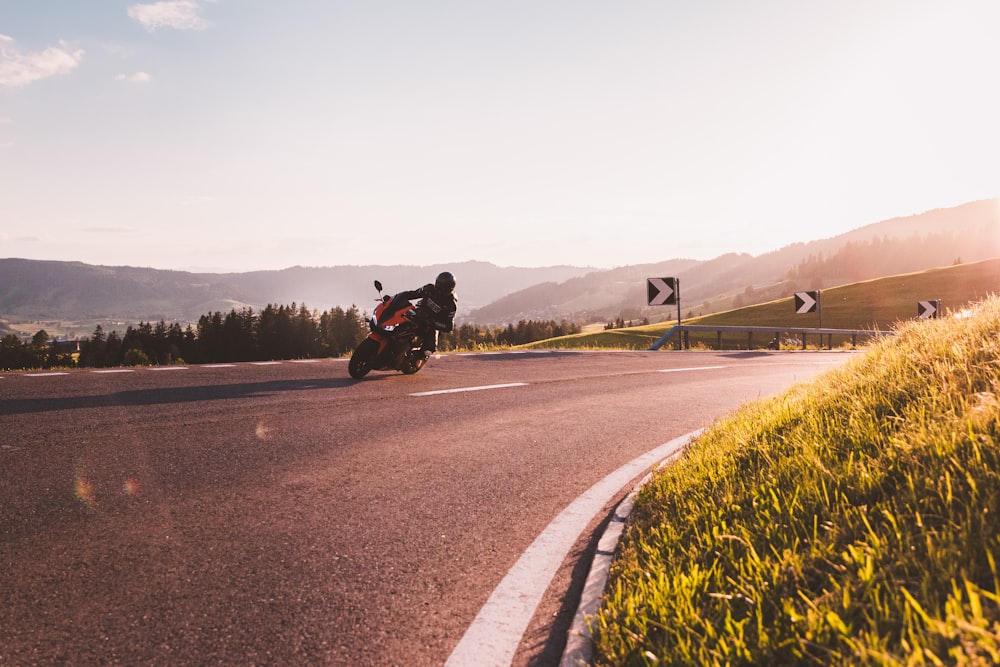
(131,486)
(85,491)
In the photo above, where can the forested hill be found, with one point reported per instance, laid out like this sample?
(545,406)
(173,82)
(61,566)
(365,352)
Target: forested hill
(32,290)
(942,237)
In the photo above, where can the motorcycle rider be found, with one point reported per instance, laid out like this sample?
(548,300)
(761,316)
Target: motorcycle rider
(437,306)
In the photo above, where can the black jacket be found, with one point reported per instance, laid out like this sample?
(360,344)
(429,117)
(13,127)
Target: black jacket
(438,307)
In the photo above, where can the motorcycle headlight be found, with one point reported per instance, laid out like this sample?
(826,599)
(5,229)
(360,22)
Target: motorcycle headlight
(389,327)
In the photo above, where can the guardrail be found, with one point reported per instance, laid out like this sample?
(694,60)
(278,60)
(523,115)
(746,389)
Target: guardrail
(683,331)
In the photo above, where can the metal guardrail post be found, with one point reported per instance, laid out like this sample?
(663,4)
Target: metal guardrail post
(658,343)
(684,340)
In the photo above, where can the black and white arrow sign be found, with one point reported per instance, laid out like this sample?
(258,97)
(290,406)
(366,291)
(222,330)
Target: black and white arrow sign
(805,302)
(661,291)
(927,310)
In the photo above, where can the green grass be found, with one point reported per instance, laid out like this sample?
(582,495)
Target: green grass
(632,338)
(851,520)
(876,304)
(870,305)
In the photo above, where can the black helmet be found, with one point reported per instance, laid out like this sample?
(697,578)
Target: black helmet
(445,282)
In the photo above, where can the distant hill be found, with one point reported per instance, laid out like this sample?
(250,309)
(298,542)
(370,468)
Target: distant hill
(942,237)
(73,296)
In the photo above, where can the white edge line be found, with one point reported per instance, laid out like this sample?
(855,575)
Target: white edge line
(44,375)
(579,646)
(494,635)
(463,389)
(107,371)
(168,368)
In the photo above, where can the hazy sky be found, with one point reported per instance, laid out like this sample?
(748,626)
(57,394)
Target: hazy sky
(254,134)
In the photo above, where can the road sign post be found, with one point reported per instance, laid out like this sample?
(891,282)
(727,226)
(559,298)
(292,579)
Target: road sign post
(810,302)
(677,294)
(664,292)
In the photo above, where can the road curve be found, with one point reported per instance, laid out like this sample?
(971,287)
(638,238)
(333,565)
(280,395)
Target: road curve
(286,514)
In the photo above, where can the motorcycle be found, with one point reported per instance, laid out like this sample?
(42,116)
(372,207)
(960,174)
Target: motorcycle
(394,343)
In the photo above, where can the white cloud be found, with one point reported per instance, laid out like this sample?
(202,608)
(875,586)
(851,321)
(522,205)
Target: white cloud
(19,69)
(138,77)
(178,14)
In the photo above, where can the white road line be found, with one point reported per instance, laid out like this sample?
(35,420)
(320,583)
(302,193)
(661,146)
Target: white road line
(168,368)
(265,363)
(693,368)
(44,375)
(463,389)
(114,370)
(305,361)
(219,366)
(494,635)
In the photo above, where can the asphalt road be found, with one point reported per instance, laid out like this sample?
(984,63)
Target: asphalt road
(285,514)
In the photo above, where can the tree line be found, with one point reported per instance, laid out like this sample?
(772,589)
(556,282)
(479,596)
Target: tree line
(880,256)
(36,353)
(276,332)
(474,337)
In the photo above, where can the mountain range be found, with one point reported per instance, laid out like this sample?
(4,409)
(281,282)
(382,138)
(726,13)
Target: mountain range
(72,297)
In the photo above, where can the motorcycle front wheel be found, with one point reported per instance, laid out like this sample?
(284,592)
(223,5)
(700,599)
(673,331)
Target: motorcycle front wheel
(361,360)
(413,363)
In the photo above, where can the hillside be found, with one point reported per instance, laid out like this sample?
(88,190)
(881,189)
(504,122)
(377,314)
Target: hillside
(877,304)
(71,297)
(970,232)
(850,520)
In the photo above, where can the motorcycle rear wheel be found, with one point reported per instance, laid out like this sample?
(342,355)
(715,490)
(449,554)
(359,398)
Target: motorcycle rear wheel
(361,360)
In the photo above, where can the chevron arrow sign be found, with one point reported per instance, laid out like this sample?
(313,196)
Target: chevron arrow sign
(927,310)
(805,302)
(661,291)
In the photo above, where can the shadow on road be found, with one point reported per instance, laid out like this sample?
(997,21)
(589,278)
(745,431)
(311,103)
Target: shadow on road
(170,395)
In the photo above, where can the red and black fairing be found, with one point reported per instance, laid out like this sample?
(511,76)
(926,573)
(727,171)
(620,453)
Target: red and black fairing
(394,320)
(394,342)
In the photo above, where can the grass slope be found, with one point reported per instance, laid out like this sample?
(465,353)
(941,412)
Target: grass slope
(851,520)
(873,304)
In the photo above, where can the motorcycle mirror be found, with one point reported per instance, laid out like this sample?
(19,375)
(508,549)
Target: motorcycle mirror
(378,286)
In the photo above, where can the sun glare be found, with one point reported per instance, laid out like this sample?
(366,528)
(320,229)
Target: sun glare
(131,486)
(85,491)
